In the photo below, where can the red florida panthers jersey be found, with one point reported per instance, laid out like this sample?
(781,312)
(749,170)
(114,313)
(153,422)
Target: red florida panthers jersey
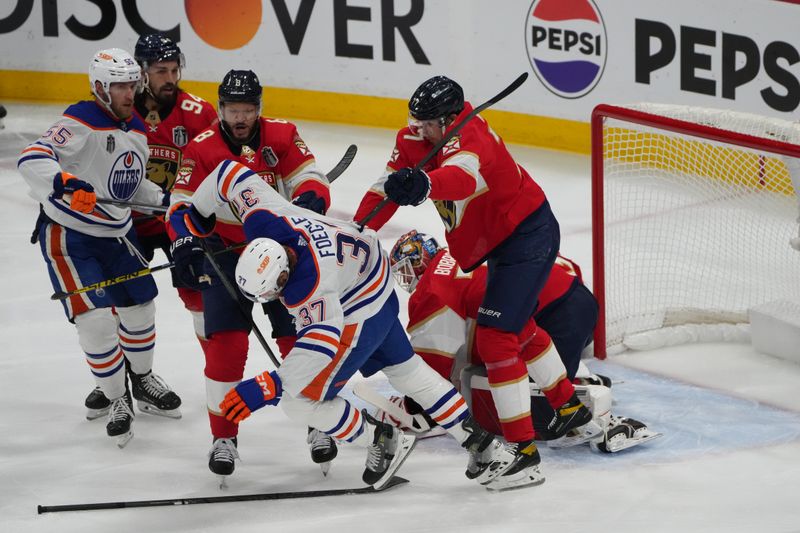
(480,192)
(167,137)
(282,160)
(444,308)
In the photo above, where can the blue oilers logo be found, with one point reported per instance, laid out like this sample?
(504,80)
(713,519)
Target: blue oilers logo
(125,175)
(566,45)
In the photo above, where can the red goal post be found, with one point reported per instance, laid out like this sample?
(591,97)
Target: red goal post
(692,213)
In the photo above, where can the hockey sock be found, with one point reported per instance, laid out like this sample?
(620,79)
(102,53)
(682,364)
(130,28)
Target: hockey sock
(544,364)
(226,354)
(285,344)
(97,335)
(508,380)
(336,417)
(435,395)
(137,335)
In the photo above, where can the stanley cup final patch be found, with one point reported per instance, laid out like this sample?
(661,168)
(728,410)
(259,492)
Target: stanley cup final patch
(269,156)
(110,144)
(180,136)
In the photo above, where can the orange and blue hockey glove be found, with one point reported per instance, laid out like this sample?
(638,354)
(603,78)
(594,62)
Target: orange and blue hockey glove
(83,197)
(186,220)
(251,395)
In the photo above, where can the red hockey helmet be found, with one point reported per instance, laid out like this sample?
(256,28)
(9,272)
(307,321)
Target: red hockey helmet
(410,256)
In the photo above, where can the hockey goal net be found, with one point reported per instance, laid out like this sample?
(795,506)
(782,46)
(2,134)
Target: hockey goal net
(693,214)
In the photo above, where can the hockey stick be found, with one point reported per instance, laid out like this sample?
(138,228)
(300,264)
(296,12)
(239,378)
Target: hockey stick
(435,150)
(394,482)
(343,163)
(371,396)
(234,294)
(334,173)
(59,295)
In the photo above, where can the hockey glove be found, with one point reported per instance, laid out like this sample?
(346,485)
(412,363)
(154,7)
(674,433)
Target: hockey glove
(83,196)
(186,220)
(408,186)
(251,395)
(189,259)
(310,200)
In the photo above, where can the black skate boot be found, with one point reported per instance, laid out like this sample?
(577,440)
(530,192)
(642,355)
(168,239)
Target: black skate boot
(488,457)
(222,457)
(323,449)
(572,424)
(96,404)
(386,453)
(154,396)
(120,419)
(523,471)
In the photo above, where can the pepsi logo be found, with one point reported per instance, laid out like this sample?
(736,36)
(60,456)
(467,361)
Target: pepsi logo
(566,45)
(125,175)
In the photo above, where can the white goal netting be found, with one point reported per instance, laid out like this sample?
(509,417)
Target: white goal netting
(698,210)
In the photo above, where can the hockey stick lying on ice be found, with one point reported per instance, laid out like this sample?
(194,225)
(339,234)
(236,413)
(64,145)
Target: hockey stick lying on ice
(127,277)
(334,173)
(435,150)
(395,481)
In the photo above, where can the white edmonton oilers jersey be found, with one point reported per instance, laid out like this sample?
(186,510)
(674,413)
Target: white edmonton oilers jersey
(108,153)
(342,276)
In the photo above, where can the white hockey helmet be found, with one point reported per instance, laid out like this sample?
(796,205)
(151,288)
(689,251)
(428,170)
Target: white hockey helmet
(113,65)
(259,272)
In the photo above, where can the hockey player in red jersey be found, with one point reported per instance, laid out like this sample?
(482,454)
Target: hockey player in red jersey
(98,149)
(443,310)
(493,212)
(274,149)
(172,118)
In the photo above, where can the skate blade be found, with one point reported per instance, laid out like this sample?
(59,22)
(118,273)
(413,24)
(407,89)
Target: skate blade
(407,443)
(579,435)
(617,445)
(153,410)
(124,439)
(530,477)
(495,468)
(94,414)
(223,482)
(325,467)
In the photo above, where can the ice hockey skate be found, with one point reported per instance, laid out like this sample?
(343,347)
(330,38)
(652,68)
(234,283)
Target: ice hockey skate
(488,456)
(386,453)
(97,404)
(222,459)
(524,469)
(154,396)
(323,449)
(571,425)
(623,433)
(120,419)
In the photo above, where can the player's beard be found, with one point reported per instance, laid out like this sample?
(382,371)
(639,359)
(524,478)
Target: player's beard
(166,98)
(240,132)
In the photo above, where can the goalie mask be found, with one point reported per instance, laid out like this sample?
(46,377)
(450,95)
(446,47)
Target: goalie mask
(262,270)
(410,256)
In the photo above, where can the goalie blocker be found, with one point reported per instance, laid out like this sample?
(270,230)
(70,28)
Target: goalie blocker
(619,433)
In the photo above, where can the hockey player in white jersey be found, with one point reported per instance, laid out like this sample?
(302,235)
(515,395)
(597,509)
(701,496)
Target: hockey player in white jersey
(337,284)
(98,149)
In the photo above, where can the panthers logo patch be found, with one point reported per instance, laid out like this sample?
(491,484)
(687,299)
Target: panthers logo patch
(447,212)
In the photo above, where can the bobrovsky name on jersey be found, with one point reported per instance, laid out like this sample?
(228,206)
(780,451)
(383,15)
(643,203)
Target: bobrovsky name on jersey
(125,176)
(716,63)
(566,45)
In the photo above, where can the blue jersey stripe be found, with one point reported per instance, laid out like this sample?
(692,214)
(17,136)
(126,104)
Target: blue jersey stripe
(315,348)
(323,327)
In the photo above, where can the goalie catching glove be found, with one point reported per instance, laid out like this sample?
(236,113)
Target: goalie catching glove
(251,395)
(83,196)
